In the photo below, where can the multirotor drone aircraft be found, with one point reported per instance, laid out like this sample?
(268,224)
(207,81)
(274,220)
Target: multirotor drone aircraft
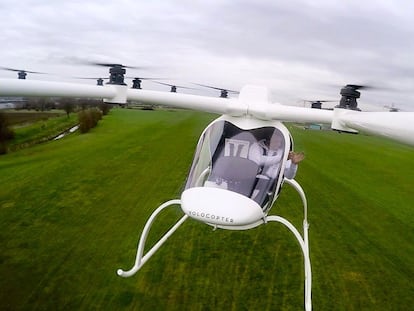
(227,186)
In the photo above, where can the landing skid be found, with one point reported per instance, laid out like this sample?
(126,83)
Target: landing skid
(141,259)
(303,242)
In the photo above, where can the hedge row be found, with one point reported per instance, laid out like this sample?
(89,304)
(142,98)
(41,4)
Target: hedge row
(89,118)
(6,133)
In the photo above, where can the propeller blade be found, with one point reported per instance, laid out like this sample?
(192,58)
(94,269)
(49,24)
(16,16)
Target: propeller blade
(75,60)
(359,87)
(376,87)
(90,78)
(146,78)
(216,88)
(110,65)
(320,101)
(21,70)
(177,86)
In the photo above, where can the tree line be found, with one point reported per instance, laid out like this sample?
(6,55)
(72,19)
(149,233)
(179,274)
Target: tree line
(89,111)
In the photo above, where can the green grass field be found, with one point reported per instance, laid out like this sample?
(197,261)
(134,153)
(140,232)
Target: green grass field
(71,212)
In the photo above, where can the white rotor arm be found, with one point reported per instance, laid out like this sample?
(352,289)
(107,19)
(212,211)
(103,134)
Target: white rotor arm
(398,126)
(257,99)
(253,102)
(292,114)
(230,106)
(22,87)
(119,94)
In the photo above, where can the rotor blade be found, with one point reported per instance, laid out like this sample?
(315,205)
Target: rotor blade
(177,86)
(368,86)
(114,65)
(21,70)
(146,78)
(101,64)
(9,69)
(216,88)
(320,101)
(360,87)
(90,78)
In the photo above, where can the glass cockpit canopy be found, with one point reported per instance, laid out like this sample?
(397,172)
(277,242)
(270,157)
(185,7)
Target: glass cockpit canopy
(248,162)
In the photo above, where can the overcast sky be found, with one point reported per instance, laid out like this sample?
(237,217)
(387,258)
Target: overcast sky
(300,49)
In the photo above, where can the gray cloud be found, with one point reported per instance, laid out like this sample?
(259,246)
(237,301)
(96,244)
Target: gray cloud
(299,48)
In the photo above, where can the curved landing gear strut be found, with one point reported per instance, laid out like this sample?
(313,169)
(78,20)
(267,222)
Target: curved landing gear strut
(141,259)
(303,241)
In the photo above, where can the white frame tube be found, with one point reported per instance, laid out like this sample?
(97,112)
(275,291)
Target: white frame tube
(303,242)
(140,260)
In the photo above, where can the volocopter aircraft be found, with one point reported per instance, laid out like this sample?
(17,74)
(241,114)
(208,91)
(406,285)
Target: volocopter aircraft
(226,188)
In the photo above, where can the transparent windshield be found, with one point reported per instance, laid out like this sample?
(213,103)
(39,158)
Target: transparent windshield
(244,161)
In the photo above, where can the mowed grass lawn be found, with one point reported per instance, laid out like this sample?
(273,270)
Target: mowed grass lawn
(71,212)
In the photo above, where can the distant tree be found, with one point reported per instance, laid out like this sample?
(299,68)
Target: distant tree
(40,103)
(31,103)
(84,105)
(97,103)
(67,104)
(104,108)
(6,133)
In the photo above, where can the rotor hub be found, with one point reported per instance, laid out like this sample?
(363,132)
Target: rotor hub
(316,105)
(117,73)
(22,74)
(224,93)
(136,83)
(349,97)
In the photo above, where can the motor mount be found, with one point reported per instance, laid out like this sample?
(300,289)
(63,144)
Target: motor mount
(136,83)
(349,97)
(116,75)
